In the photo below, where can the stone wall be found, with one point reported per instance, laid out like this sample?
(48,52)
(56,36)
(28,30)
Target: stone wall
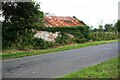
(47,36)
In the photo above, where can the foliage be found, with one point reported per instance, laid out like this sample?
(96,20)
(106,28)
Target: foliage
(109,32)
(117,26)
(108,27)
(100,28)
(98,36)
(41,44)
(64,39)
(20,18)
(17,54)
(24,41)
(81,34)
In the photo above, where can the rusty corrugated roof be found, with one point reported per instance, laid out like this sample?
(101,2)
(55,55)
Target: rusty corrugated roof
(61,21)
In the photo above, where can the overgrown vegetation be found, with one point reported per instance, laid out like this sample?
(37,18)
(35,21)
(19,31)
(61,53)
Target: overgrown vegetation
(106,32)
(98,36)
(81,34)
(22,17)
(108,69)
(10,55)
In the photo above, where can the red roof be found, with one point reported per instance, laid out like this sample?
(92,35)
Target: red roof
(61,21)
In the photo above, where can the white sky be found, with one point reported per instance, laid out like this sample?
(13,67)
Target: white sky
(92,12)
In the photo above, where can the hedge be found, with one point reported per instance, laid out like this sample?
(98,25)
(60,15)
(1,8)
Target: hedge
(81,35)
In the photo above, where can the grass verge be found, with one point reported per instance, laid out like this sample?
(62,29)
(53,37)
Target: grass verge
(108,69)
(12,55)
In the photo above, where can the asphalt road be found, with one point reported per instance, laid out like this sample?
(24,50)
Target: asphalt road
(58,63)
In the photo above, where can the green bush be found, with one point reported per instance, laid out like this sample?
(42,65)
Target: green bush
(64,39)
(39,43)
(78,40)
(8,45)
(98,36)
(81,35)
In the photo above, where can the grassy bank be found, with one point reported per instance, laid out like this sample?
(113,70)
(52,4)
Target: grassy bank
(10,55)
(108,69)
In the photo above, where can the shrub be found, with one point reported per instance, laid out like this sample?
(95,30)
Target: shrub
(98,36)
(8,45)
(26,40)
(62,39)
(80,34)
(39,43)
(78,40)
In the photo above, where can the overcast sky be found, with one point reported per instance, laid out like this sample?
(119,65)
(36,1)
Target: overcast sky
(92,12)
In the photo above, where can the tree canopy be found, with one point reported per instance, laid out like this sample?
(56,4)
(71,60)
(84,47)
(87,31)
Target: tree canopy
(117,26)
(20,18)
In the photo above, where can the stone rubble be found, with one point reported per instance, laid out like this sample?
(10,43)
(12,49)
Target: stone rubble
(47,36)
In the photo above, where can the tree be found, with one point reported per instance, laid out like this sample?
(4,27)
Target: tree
(117,26)
(100,28)
(20,18)
(95,30)
(108,28)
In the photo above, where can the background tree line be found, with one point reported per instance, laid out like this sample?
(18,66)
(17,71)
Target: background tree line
(106,32)
(108,28)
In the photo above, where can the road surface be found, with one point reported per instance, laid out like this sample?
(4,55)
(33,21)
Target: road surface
(58,63)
